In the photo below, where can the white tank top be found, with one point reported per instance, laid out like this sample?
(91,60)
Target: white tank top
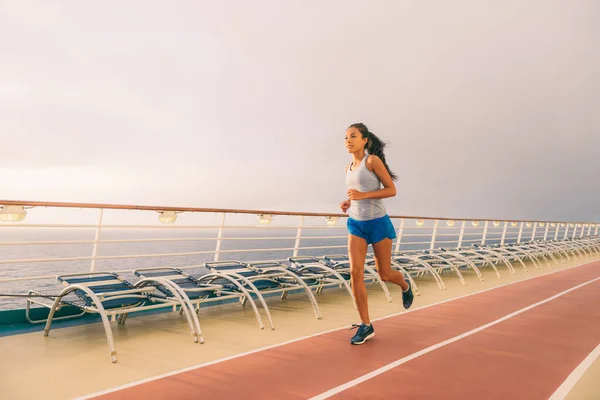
(364,180)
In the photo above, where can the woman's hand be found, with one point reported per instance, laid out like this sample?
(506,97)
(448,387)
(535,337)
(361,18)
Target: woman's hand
(354,194)
(345,205)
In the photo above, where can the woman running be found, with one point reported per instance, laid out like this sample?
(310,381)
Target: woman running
(368,222)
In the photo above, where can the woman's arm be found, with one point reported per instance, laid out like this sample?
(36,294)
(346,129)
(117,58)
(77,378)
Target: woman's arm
(389,189)
(345,205)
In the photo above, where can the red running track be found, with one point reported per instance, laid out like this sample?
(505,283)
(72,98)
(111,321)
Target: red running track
(526,356)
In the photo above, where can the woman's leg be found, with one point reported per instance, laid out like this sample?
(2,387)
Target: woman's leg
(383,260)
(357,252)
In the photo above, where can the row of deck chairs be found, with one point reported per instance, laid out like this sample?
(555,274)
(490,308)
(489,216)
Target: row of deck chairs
(111,296)
(539,253)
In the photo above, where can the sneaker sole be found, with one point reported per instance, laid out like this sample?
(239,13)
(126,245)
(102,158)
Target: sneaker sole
(367,338)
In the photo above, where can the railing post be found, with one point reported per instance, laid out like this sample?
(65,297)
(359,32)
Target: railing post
(533,232)
(504,234)
(433,235)
(582,229)
(485,229)
(596,232)
(546,232)
(589,230)
(96,238)
(461,234)
(298,236)
(520,233)
(220,237)
(566,231)
(400,231)
(556,232)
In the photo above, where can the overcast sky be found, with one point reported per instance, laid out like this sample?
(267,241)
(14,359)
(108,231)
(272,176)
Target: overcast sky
(491,109)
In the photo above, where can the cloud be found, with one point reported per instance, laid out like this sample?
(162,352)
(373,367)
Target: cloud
(489,110)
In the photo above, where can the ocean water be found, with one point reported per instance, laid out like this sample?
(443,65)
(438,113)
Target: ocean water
(194,240)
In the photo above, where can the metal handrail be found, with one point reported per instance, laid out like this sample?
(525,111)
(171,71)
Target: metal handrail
(413,235)
(28,203)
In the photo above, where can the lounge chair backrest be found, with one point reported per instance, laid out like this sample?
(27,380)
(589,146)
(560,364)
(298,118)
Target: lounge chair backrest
(311,264)
(233,266)
(174,275)
(336,258)
(401,258)
(267,266)
(303,260)
(103,282)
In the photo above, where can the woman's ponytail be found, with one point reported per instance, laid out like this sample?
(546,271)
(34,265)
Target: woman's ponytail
(374,146)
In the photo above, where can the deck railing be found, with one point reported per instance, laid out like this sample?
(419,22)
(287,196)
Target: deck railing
(34,246)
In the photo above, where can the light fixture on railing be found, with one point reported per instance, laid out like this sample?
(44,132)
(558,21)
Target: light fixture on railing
(449,223)
(563,224)
(514,223)
(579,225)
(528,224)
(586,225)
(571,224)
(331,220)
(265,218)
(167,217)
(420,222)
(496,223)
(553,224)
(542,224)
(475,223)
(12,213)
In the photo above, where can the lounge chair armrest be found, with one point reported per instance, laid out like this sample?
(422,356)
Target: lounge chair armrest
(203,289)
(122,292)
(212,285)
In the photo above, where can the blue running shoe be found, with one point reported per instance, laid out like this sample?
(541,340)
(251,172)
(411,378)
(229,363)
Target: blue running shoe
(408,296)
(364,332)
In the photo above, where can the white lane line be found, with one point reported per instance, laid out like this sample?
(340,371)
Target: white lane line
(574,377)
(219,360)
(436,346)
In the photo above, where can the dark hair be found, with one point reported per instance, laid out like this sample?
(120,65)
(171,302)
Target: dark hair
(374,145)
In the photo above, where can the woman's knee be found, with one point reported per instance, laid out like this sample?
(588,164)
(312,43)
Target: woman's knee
(385,275)
(357,274)
(384,270)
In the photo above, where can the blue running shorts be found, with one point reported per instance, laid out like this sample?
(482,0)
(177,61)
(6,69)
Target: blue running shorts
(373,230)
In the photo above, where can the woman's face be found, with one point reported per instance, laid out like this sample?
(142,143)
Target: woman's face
(354,140)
